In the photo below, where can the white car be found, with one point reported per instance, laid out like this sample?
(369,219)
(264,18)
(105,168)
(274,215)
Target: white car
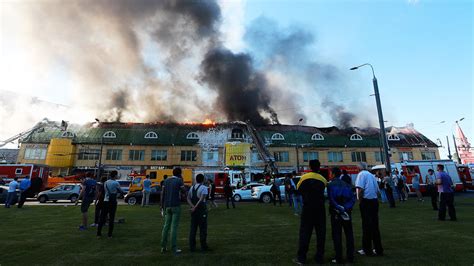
(263,193)
(245,192)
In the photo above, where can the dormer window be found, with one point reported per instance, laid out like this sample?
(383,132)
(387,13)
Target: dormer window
(68,134)
(192,135)
(393,137)
(109,135)
(237,133)
(356,137)
(278,136)
(317,136)
(151,135)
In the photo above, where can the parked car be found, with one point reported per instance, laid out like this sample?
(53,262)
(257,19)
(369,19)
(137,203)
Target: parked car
(62,192)
(133,198)
(263,193)
(4,193)
(245,192)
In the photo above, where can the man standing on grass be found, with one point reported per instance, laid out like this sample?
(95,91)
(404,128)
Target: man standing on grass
(341,201)
(88,189)
(367,194)
(146,191)
(197,201)
(313,217)
(25,185)
(112,188)
(446,194)
(431,189)
(171,209)
(11,196)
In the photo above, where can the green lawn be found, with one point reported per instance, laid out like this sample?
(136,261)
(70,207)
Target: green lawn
(252,234)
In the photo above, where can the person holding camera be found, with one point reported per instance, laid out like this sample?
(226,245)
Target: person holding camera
(341,202)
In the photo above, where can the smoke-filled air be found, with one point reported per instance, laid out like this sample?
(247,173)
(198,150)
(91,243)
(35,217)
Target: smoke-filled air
(148,61)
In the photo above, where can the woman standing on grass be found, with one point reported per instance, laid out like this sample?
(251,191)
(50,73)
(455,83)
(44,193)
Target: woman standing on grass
(415,182)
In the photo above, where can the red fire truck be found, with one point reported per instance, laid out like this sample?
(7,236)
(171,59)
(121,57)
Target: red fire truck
(32,171)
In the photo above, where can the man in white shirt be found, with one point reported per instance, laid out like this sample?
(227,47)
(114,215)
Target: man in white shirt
(11,196)
(367,194)
(431,187)
(111,188)
(197,201)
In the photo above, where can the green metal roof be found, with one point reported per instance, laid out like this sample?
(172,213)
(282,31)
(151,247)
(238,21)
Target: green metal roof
(176,134)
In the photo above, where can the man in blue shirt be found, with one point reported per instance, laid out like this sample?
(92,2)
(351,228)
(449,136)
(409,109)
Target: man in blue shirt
(11,196)
(24,189)
(341,202)
(88,191)
(146,191)
(446,197)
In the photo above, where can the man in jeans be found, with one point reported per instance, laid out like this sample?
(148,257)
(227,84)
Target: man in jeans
(171,208)
(146,191)
(197,201)
(446,197)
(112,188)
(432,190)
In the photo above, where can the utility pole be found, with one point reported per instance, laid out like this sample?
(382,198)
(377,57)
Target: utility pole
(457,151)
(449,149)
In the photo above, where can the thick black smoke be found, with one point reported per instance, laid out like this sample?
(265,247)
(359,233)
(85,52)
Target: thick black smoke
(242,92)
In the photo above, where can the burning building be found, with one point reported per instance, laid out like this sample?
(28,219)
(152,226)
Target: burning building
(137,147)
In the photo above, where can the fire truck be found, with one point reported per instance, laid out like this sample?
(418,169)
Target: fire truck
(32,171)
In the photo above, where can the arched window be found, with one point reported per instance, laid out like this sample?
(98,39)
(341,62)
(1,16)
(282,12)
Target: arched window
(192,135)
(317,136)
(68,134)
(237,133)
(109,135)
(356,137)
(393,137)
(151,135)
(278,136)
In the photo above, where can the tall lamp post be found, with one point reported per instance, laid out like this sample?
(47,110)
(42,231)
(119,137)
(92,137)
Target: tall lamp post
(383,135)
(297,147)
(99,167)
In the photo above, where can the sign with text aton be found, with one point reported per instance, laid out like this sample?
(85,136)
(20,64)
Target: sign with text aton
(237,154)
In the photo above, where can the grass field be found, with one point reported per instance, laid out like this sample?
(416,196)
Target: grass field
(251,234)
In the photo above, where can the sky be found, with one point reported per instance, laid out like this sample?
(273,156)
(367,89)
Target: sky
(422,52)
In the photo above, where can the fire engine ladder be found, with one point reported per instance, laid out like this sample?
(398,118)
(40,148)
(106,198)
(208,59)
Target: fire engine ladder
(28,133)
(262,150)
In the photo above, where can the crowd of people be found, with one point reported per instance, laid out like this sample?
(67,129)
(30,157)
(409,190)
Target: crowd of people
(305,195)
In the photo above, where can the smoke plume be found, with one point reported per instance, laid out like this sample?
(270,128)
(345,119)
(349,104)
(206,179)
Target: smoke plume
(165,60)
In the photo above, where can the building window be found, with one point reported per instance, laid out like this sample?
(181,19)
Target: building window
(317,136)
(278,136)
(428,155)
(308,156)
(88,154)
(159,155)
(18,171)
(35,153)
(109,135)
(68,134)
(282,156)
(192,135)
(114,155)
(188,156)
(393,137)
(378,156)
(358,156)
(151,135)
(136,155)
(356,137)
(335,157)
(406,156)
(237,133)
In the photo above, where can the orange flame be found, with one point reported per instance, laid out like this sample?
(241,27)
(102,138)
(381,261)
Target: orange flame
(208,122)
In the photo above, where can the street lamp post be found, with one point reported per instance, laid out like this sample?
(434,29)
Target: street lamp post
(297,147)
(380,115)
